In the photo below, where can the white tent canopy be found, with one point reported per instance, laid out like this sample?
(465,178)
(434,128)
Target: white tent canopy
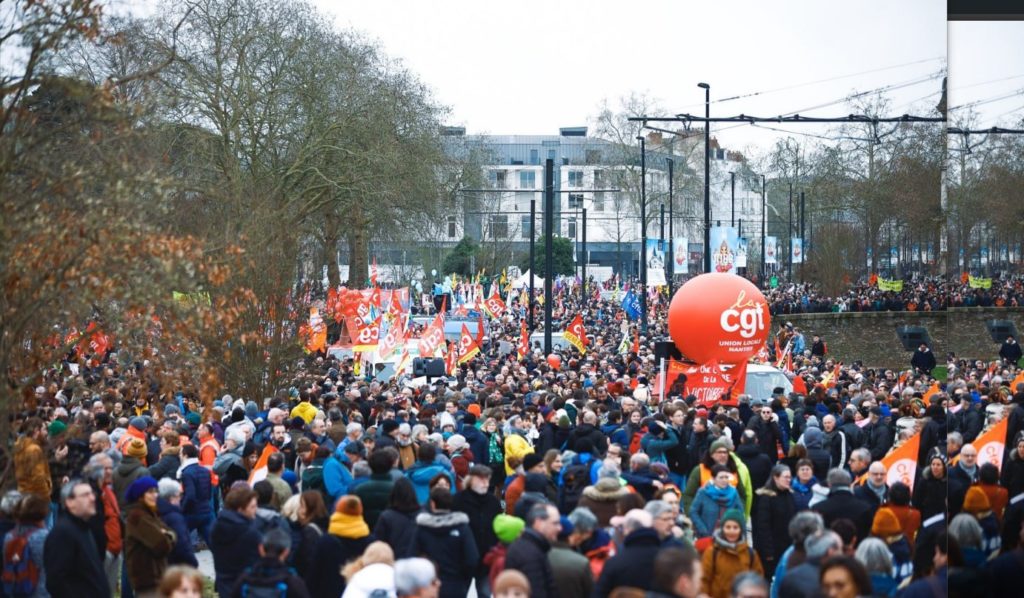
(524,281)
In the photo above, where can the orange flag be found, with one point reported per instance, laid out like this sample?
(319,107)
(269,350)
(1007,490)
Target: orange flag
(990,445)
(260,471)
(1017,380)
(901,464)
(523,349)
(576,335)
(933,389)
(468,348)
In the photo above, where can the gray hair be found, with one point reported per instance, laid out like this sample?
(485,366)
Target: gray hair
(746,579)
(583,519)
(361,469)
(819,545)
(93,470)
(414,431)
(838,478)
(9,503)
(657,507)
(967,531)
(874,555)
(636,519)
(827,418)
(68,489)
(608,470)
(956,437)
(168,488)
(862,454)
(805,524)
(412,575)
(639,460)
(354,427)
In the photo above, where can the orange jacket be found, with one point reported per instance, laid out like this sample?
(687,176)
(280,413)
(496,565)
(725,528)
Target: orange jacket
(112,521)
(910,521)
(998,497)
(31,468)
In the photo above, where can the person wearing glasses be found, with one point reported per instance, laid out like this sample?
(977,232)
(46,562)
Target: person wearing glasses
(72,561)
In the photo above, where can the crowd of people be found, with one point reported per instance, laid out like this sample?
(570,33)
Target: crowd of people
(922,294)
(517,477)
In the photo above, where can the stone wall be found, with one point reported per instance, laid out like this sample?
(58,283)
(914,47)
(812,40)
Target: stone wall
(871,336)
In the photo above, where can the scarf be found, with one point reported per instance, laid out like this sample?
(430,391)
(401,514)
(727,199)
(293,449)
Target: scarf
(185,463)
(802,488)
(348,526)
(720,496)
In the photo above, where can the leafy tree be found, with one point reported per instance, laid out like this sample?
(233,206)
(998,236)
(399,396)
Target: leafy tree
(458,261)
(561,258)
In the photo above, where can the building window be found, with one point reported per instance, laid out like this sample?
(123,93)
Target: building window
(598,179)
(499,226)
(571,228)
(452,228)
(534,157)
(599,201)
(721,154)
(522,200)
(524,226)
(575,201)
(527,179)
(551,154)
(575,178)
(498,178)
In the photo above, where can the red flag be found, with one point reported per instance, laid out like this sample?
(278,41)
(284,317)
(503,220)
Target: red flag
(576,335)
(393,339)
(432,337)
(636,340)
(493,305)
(451,359)
(368,338)
(467,348)
(524,340)
(480,330)
(799,386)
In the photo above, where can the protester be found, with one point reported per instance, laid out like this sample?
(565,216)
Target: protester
(346,538)
(234,540)
(270,573)
(728,556)
(71,559)
(181,582)
(773,509)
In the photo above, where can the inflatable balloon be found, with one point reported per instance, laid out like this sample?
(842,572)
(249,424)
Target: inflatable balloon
(720,317)
(555,362)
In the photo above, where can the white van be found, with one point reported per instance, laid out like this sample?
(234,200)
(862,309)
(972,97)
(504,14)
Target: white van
(761,379)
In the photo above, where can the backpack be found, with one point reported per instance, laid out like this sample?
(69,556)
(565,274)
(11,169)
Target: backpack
(20,574)
(258,587)
(575,478)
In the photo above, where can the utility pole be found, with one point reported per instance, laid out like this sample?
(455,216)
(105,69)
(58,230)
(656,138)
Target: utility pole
(583,267)
(764,222)
(533,260)
(671,234)
(732,211)
(789,232)
(661,242)
(803,242)
(549,234)
(707,176)
(643,233)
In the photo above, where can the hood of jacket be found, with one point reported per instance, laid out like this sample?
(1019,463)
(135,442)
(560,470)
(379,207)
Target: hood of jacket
(605,490)
(813,438)
(422,474)
(128,465)
(442,520)
(165,508)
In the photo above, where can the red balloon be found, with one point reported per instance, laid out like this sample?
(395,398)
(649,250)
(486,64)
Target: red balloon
(555,362)
(720,317)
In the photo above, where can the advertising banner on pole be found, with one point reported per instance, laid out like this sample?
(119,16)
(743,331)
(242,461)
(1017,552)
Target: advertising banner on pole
(655,263)
(724,241)
(682,256)
(741,253)
(771,250)
(797,256)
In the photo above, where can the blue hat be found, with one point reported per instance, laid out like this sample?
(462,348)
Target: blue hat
(138,488)
(567,527)
(886,412)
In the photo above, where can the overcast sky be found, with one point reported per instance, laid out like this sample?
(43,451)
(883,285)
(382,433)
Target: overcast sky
(986,62)
(535,66)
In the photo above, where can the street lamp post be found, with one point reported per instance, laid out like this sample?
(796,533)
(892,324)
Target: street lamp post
(732,211)
(764,222)
(707,175)
(671,235)
(583,267)
(533,261)
(803,242)
(789,232)
(643,233)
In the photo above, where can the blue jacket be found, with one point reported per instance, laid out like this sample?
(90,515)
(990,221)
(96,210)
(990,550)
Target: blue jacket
(182,553)
(420,476)
(337,476)
(198,489)
(709,505)
(234,543)
(477,443)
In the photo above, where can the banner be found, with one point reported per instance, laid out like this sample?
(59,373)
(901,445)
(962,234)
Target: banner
(869,259)
(976,282)
(393,339)
(984,256)
(631,304)
(797,253)
(433,337)
(493,305)
(894,256)
(771,250)
(711,383)
(681,249)
(368,337)
(741,253)
(724,241)
(990,445)
(901,463)
(890,285)
(468,348)
(576,335)
(655,263)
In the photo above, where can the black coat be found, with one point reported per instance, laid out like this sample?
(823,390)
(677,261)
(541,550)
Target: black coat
(879,437)
(842,504)
(73,565)
(933,435)
(234,543)
(395,528)
(801,581)
(855,437)
(446,539)
(375,495)
(529,555)
(182,553)
(768,435)
(597,439)
(770,520)
(1013,474)
(758,464)
(270,573)
(633,566)
(332,552)
(1011,352)
(481,509)
(929,495)
(166,467)
(923,360)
